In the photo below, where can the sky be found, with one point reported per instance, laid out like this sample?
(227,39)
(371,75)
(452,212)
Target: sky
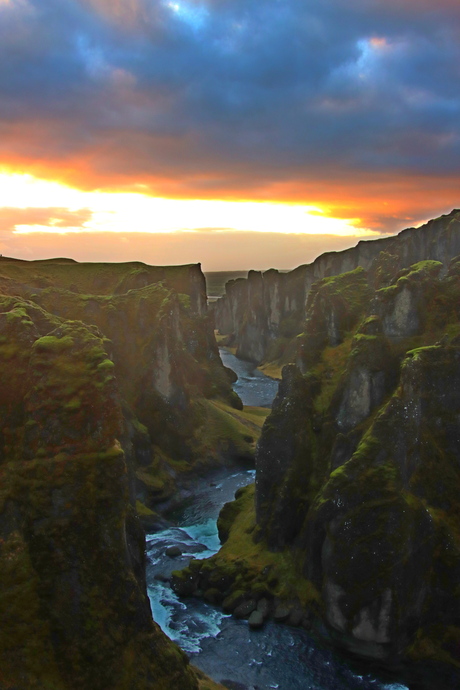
(241,134)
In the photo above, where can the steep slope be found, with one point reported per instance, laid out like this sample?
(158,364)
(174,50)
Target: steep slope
(165,357)
(112,394)
(74,613)
(354,525)
(262,315)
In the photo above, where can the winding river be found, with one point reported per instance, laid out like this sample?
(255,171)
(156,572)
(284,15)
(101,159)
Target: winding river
(226,648)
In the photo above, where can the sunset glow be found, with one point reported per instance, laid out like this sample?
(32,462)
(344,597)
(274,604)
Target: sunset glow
(123,212)
(179,126)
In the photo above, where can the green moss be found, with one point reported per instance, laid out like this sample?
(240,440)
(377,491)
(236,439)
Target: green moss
(143,510)
(364,338)
(184,301)
(156,480)
(140,428)
(222,429)
(330,370)
(50,343)
(18,314)
(106,366)
(256,566)
(73,404)
(421,269)
(419,351)
(388,293)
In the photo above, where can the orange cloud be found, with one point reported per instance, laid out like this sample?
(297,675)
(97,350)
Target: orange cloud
(11,217)
(139,96)
(383,201)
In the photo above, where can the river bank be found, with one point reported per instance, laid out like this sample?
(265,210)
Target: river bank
(222,646)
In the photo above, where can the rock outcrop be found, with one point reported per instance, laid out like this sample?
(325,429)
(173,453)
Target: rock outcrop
(261,315)
(111,391)
(74,612)
(161,344)
(355,515)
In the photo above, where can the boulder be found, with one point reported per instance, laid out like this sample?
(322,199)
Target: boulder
(281,613)
(256,619)
(245,608)
(173,551)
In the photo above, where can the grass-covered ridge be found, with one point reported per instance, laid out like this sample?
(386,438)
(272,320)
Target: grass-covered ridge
(96,278)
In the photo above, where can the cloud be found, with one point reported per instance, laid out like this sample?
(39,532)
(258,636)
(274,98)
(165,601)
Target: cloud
(233,98)
(11,217)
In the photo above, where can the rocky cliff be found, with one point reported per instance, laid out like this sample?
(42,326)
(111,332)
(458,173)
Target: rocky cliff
(105,401)
(262,314)
(74,611)
(161,342)
(353,528)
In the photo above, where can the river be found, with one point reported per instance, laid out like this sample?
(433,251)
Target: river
(226,648)
(253,387)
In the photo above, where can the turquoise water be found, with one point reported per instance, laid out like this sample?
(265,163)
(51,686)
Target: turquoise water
(222,646)
(253,387)
(225,648)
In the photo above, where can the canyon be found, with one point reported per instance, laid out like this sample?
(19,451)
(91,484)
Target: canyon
(114,399)
(351,529)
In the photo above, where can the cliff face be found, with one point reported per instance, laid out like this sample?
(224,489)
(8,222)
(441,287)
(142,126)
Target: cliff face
(160,339)
(364,450)
(263,313)
(74,612)
(354,525)
(112,391)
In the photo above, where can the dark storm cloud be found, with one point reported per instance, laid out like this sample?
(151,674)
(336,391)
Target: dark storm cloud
(229,92)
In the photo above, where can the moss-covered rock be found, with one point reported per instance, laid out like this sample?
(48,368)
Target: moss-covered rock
(161,349)
(262,315)
(101,417)
(357,476)
(74,611)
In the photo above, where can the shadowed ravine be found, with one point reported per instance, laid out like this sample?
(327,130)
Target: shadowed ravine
(226,648)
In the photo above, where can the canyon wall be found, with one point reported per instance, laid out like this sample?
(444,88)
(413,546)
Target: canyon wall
(160,338)
(363,449)
(74,611)
(263,313)
(353,525)
(108,376)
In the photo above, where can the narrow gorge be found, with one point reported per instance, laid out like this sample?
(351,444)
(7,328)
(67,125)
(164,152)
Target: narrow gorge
(116,405)
(352,526)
